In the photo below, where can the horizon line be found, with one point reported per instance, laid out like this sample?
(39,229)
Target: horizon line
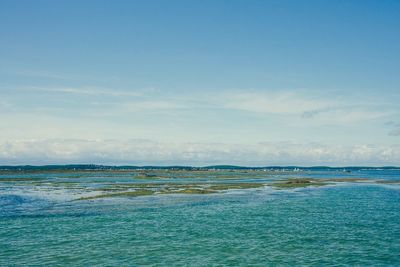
(226,166)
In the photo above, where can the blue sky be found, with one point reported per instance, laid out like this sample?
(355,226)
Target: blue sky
(200,82)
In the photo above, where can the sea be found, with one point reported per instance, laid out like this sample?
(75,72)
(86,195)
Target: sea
(47,218)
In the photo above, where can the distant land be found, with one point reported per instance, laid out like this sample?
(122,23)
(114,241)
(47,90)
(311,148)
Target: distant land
(95,167)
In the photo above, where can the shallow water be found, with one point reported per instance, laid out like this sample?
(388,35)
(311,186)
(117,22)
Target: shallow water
(336,225)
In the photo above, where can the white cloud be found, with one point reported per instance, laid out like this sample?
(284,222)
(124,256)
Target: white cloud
(237,116)
(147,152)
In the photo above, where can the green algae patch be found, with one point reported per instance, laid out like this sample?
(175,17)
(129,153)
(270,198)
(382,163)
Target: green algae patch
(189,191)
(110,189)
(235,186)
(147,176)
(305,182)
(153,186)
(142,189)
(125,186)
(136,193)
(298,183)
(206,188)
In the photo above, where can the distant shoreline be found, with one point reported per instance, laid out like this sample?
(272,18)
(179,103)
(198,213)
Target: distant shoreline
(95,167)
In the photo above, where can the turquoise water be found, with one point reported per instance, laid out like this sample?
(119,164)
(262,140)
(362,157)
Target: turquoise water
(336,225)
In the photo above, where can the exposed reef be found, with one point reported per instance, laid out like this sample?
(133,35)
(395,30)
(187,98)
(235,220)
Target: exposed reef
(135,193)
(296,183)
(142,189)
(142,182)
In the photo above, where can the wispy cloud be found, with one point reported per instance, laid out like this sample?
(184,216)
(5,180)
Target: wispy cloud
(5,105)
(395,128)
(234,115)
(44,74)
(148,105)
(92,91)
(283,102)
(306,105)
(395,132)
